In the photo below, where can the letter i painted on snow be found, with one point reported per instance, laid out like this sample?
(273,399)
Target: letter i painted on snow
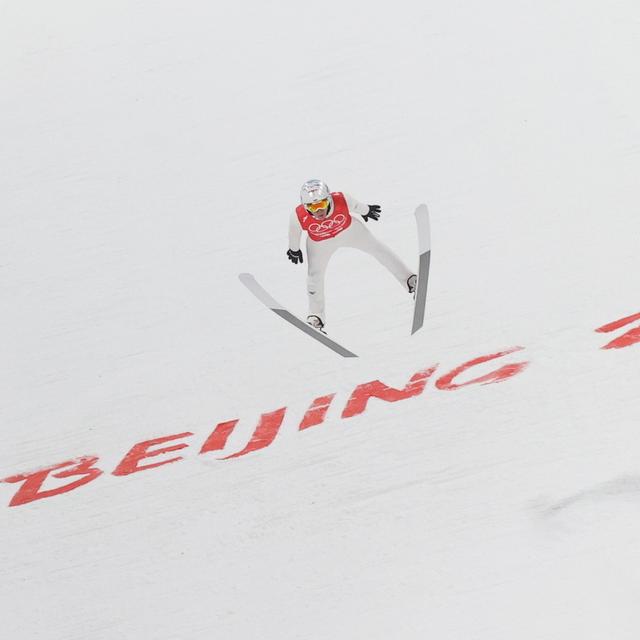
(626,339)
(317,412)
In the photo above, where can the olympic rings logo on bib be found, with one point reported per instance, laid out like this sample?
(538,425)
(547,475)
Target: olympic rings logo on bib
(328,227)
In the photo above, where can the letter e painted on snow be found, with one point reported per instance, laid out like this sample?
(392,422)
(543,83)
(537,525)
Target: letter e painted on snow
(141,451)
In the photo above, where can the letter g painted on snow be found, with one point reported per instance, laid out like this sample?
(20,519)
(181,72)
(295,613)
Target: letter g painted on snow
(445,383)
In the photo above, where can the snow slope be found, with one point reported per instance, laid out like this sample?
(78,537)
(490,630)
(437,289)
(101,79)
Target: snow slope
(150,152)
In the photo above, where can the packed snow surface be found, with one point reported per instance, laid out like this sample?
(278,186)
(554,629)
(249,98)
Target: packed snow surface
(153,150)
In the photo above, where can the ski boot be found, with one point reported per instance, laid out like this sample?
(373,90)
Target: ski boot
(316,323)
(412,281)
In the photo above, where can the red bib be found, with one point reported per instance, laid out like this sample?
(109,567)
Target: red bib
(337,222)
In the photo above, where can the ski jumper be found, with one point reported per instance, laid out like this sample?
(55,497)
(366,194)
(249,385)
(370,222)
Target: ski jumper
(342,228)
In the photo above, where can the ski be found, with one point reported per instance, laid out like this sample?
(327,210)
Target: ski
(424,249)
(259,292)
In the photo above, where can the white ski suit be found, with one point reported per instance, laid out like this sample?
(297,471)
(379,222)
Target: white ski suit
(354,234)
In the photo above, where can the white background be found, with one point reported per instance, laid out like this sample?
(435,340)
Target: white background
(151,151)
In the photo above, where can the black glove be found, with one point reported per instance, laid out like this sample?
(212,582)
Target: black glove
(374,212)
(295,256)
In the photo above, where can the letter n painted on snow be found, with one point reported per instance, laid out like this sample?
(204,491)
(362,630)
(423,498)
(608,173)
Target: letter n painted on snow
(357,403)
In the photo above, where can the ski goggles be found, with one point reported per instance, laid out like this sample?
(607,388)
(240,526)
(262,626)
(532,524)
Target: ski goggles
(317,206)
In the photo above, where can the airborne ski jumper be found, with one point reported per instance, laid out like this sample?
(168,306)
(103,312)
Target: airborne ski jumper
(331,220)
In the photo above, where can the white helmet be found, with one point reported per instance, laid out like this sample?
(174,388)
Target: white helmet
(314,191)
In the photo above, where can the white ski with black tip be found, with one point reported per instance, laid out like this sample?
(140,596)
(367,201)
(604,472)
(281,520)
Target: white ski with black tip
(259,292)
(424,249)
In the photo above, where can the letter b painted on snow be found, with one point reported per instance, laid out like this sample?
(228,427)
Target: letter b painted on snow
(33,481)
